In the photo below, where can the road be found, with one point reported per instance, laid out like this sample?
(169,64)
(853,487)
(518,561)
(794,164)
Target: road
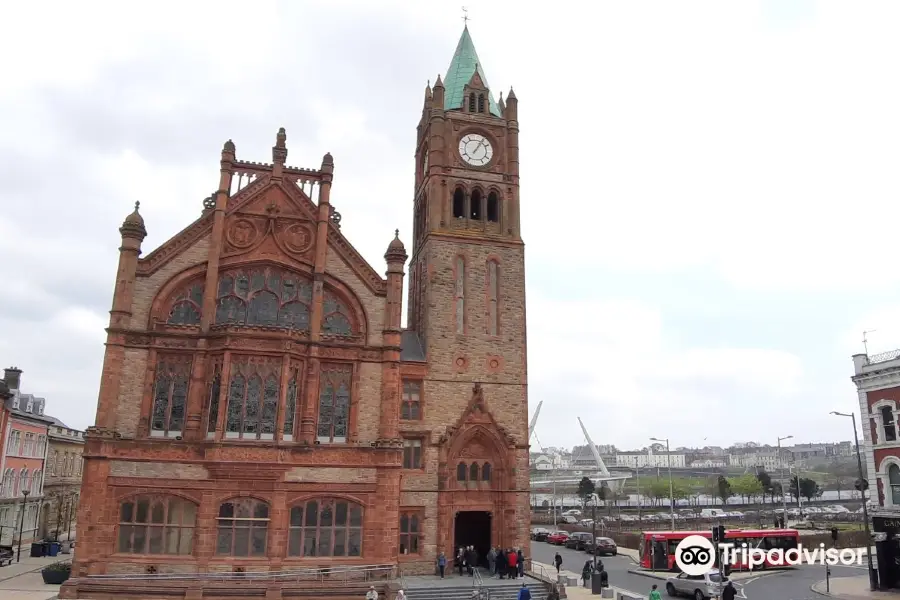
(793,584)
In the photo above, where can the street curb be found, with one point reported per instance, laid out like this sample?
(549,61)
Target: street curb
(647,574)
(812,588)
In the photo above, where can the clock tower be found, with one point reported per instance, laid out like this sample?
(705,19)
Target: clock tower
(467,303)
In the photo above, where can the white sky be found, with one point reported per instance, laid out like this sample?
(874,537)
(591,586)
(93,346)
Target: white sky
(709,188)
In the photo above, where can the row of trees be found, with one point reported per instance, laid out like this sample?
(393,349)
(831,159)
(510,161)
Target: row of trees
(749,487)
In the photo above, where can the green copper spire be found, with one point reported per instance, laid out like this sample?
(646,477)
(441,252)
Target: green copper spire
(464,64)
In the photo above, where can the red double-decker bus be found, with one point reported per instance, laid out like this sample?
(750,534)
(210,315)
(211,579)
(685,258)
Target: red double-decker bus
(657,551)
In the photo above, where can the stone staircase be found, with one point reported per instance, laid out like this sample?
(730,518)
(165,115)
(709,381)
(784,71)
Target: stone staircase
(498,590)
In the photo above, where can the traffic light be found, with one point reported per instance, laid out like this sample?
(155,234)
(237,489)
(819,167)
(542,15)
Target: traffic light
(718,534)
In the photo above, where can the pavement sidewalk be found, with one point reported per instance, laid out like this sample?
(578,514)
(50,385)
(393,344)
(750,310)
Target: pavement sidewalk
(851,588)
(22,580)
(577,591)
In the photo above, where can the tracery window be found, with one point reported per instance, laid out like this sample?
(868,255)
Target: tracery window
(459,204)
(243,526)
(170,390)
(264,297)
(36,483)
(334,403)
(157,525)
(335,319)
(486,472)
(213,394)
(462,472)
(326,527)
(290,402)
(411,402)
(253,398)
(473,472)
(460,295)
(12,447)
(41,445)
(493,282)
(24,481)
(187,305)
(412,454)
(475,205)
(7,487)
(409,532)
(28,446)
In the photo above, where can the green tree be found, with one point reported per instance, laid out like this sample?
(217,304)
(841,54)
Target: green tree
(723,489)
(658,489)
(746,486)
(586,489)
(765,481)
(809,489)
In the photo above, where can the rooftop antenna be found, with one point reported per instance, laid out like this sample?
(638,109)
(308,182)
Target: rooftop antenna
(866,340)
(465,16)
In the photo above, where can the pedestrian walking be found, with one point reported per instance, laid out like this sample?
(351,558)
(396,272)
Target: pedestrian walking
(654,593)
(557,560)
(442,564)
(586,572)
(729,592)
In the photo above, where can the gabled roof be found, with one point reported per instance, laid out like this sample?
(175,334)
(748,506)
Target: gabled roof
(464,64)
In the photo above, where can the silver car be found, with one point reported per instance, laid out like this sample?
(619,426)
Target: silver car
(698,587)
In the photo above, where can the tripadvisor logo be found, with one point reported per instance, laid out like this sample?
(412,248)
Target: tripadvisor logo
(696,555)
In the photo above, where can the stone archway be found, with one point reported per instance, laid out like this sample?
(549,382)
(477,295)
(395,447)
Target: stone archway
(475,473)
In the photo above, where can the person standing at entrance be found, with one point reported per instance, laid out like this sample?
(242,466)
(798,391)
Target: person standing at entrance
(492,560)
(512,562)
(557,560)
(520,561)
(460,559)
(501,562)
(442,564)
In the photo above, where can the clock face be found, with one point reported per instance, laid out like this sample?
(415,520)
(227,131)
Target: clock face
(476,150)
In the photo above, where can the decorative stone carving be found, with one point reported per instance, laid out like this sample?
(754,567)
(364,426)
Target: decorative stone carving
(298,238)
(242,234)
(474,450)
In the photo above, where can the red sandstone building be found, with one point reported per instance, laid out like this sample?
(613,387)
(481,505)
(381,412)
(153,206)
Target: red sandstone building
(261,407)
(877,380)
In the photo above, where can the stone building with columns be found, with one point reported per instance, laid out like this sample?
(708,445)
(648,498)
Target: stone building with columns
(877,379)
(262,408)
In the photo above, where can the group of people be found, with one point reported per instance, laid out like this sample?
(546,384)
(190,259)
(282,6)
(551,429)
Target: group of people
(502,563)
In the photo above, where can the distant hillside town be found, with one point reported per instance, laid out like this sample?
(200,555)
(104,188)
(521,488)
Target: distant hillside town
(749,455)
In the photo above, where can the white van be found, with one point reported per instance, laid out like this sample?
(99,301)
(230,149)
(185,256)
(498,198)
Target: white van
(713,513)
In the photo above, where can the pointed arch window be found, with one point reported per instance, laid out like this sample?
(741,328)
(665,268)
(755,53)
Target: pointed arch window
(486,472)
(472,102)
(493,207)
(459,203)
(170,390)
(7,487)
(186,306)
(156,525)
(242,528)
(462,472)
(460,295)
(213,394)
(334,404)
(24,481)
(475,201)
(473,472)
(335,317)
(36,481)
(253,398)
(481,103)
(493,296)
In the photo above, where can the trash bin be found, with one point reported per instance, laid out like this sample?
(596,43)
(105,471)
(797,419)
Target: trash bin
(54,549)
(66,548)
(596,583)
(38,550)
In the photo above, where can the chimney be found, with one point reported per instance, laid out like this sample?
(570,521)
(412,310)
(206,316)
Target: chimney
(13,377)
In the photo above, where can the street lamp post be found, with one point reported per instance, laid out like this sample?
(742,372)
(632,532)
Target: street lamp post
(671,486)
(873,578)
(594,499)
(783,491)
(21,524)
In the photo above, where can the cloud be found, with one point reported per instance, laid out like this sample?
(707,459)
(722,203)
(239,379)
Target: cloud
(708,190)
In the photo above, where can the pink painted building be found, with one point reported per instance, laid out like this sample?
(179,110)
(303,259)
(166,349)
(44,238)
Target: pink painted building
(24,454)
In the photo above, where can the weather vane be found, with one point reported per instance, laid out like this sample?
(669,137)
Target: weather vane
(465,16)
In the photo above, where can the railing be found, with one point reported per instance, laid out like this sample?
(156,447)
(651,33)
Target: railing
(481,592)
(884,357)
(339,573)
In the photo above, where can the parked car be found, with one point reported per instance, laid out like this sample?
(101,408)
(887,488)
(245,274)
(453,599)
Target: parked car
(603,545)
(699,587)
(558,538)
(578,540)
(539,534)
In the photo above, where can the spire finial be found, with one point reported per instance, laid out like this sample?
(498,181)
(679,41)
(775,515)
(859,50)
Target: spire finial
(137,205)
(396,234)
(465,17)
